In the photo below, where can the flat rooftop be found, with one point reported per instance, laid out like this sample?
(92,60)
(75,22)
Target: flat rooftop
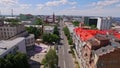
(6,45)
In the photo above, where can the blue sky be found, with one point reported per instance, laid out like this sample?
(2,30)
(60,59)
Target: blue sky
(62,7)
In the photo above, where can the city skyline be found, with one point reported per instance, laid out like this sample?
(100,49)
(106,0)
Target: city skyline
(62,7)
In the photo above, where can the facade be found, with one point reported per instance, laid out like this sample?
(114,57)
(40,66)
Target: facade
(101,23)
(12,46)
(97,48)
(8,31)
(1,21)
(30,41)
(48,29)
(104,23)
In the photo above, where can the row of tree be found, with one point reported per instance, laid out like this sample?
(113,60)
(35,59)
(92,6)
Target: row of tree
(18,60)
(67,33)
(50,60)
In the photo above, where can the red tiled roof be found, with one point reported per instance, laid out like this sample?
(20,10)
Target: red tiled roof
(86,34)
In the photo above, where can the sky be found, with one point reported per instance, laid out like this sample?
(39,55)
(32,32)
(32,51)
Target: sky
(62,7)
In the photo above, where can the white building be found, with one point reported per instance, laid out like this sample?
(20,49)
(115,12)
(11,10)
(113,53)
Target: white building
(12,46)
(30,40)
(48,29)
(104,23)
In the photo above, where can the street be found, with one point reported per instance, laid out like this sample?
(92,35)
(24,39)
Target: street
(65,58)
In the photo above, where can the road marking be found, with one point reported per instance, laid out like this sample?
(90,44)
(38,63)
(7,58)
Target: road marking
(64,65)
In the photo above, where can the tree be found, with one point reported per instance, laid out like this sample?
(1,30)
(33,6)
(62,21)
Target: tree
(50,38)
(35,31)
(75,23)
(51,59)
(18,60)
(56,31)
(67,32)
(70,41)
(38,21)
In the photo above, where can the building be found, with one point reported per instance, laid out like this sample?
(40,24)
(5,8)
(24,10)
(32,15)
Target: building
(30,41)
(101,23)
(1,21)
(48,29)
(8,31)
(12,46)
(51,19)
(97,48)
(104,23)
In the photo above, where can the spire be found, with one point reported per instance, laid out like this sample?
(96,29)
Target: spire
(53,17)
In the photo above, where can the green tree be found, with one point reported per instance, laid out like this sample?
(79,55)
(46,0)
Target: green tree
(18,60)
(75,23)
(33,30)
(70,41)
(50,38)
(38,21)
(51,59)
(56,30)
(67,32)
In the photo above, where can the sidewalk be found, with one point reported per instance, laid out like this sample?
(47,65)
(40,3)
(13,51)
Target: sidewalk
(78,59)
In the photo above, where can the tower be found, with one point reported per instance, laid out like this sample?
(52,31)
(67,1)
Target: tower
(53,17)
(12,12)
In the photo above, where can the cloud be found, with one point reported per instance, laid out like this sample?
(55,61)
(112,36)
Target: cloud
(40,6)
(25,6)
(72,3)
(56,3)
(8,2)
(59,2)
(90,12)
(104,3)
(118,5)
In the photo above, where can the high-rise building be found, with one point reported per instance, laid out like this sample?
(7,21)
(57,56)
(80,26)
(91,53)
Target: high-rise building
(104,23)
(101,23)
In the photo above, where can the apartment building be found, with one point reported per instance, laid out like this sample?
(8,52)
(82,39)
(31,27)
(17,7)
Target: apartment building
(8,31)
(12,46)
(97,48)
(11,32)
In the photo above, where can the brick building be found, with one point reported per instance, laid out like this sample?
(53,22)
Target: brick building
(97,48)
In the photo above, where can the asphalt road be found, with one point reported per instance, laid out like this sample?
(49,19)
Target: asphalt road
(65,58)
